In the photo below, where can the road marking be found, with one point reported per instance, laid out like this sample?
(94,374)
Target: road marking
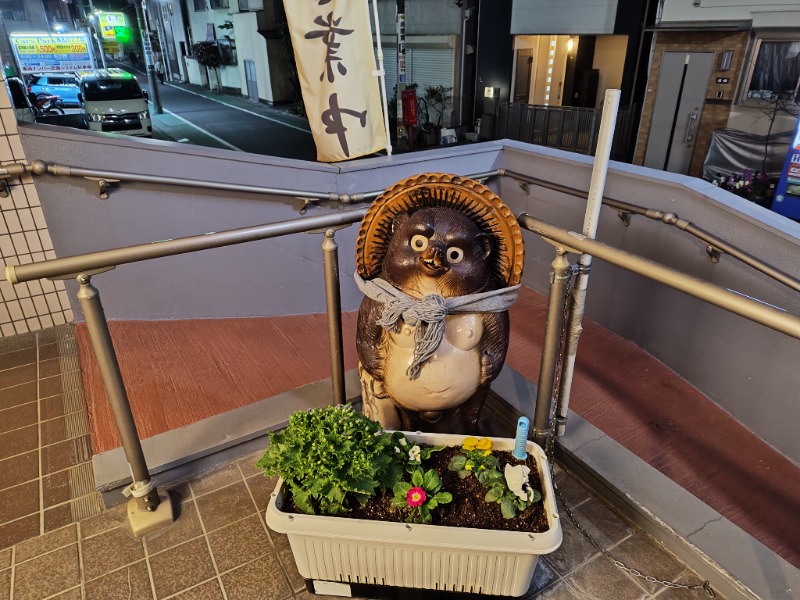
(208,133)
(250,112)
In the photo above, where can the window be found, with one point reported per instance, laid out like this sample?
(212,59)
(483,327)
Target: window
(774,73)
(250,5)
(112,89)
(219,4)
(199,5)
(13,14)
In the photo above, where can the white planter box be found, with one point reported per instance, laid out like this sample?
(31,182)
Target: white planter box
(420,556)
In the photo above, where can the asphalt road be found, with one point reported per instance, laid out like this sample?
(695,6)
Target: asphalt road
(193,115)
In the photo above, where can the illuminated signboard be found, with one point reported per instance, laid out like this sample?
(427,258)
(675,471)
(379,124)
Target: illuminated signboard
(787,195)
(109,23)
(67,52)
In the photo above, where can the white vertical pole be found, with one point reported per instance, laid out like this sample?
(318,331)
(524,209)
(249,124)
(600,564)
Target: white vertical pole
(381,73)
(590,221)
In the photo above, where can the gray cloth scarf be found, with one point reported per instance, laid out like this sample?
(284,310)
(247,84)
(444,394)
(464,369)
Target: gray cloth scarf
(428,314)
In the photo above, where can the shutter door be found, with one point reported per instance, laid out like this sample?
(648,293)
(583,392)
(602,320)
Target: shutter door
(430,66)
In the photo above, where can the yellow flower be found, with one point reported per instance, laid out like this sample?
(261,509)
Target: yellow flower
(487,452)
(470,443)
(468,467)
(484,444)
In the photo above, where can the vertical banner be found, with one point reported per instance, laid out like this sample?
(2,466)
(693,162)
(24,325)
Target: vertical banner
(335,59)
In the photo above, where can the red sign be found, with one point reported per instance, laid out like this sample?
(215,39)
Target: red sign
(409,107)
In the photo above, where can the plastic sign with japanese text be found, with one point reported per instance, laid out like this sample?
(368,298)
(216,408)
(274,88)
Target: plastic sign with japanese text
(787,194)
(37,53)
(109,23)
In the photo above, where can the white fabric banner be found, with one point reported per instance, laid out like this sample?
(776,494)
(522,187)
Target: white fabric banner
(332,43)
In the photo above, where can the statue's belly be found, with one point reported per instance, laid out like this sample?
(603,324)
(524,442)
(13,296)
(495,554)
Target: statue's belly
(448,378)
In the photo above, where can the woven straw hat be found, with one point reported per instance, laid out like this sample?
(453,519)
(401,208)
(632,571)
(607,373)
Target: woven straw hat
(431,190)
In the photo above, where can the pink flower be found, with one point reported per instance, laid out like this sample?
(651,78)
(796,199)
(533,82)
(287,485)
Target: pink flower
(416,496)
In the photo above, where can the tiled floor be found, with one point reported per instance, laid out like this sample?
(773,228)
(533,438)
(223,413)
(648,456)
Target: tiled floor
(219,547)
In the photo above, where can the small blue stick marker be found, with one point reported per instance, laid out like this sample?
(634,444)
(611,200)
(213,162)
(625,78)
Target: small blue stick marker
(521,439)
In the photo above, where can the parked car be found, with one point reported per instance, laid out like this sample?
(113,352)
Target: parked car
(112,101)
(63,85)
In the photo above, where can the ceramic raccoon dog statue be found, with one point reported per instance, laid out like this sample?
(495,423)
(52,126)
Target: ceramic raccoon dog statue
(433,328)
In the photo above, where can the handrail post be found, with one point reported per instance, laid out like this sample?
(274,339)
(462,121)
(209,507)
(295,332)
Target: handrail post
(560,274)
(148,510)
(330,259)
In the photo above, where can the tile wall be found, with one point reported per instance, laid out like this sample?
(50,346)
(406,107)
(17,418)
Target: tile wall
(24,238)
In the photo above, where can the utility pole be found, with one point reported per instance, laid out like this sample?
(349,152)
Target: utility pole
(93,34)
(401,66)
(148,57)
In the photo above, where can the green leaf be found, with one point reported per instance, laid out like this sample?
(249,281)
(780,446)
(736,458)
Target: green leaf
(508,508)
(537,495)
(464,474)
(457,463)
(402,487)
(443,497)
(432,503)
(493,495)
(303,501)
(431,482)
(417,477)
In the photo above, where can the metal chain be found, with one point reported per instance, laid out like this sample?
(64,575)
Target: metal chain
(550,452)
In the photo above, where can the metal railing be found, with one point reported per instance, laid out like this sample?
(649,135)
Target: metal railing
(565,127)
(84,267)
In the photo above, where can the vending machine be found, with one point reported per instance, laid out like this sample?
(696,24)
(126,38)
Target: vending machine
(787,194)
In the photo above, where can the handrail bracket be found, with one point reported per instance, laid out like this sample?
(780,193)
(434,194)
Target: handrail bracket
(104,184)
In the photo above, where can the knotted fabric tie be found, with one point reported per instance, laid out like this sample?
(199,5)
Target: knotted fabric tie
(427,315)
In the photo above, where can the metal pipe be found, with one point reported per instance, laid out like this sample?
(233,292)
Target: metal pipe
(97,326)
(96,260)
(381,75)
(590,222)
(40,167)
(560,274)
(667,218)
(758,312)
(330,259)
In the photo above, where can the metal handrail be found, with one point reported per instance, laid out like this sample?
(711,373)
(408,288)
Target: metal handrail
(40,167)
(761,313)
(93,261)
(668,218)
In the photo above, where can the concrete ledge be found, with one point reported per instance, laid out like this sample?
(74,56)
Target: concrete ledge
(735,563)
(190,451)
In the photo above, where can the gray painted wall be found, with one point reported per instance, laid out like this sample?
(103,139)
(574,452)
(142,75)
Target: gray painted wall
(748,370)
(581,17)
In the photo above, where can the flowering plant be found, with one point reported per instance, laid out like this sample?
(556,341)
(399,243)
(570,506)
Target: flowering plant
(750,184)
(418,498)
(510,488)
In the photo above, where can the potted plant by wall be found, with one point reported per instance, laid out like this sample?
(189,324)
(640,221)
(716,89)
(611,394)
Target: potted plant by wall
(426,511)
(437,97)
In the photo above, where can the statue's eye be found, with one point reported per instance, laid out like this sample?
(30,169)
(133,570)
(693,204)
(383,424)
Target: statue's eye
(455,255)
(419,243)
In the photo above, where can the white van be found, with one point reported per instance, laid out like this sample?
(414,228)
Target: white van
(112,101)
(23,108)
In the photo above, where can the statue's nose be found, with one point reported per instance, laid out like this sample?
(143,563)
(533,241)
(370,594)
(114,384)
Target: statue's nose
(434,253)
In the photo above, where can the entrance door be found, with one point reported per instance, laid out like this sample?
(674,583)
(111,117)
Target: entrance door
(680,97)
(250,79)
(522,79)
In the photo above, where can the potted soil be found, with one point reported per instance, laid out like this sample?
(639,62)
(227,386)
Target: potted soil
(414,510)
